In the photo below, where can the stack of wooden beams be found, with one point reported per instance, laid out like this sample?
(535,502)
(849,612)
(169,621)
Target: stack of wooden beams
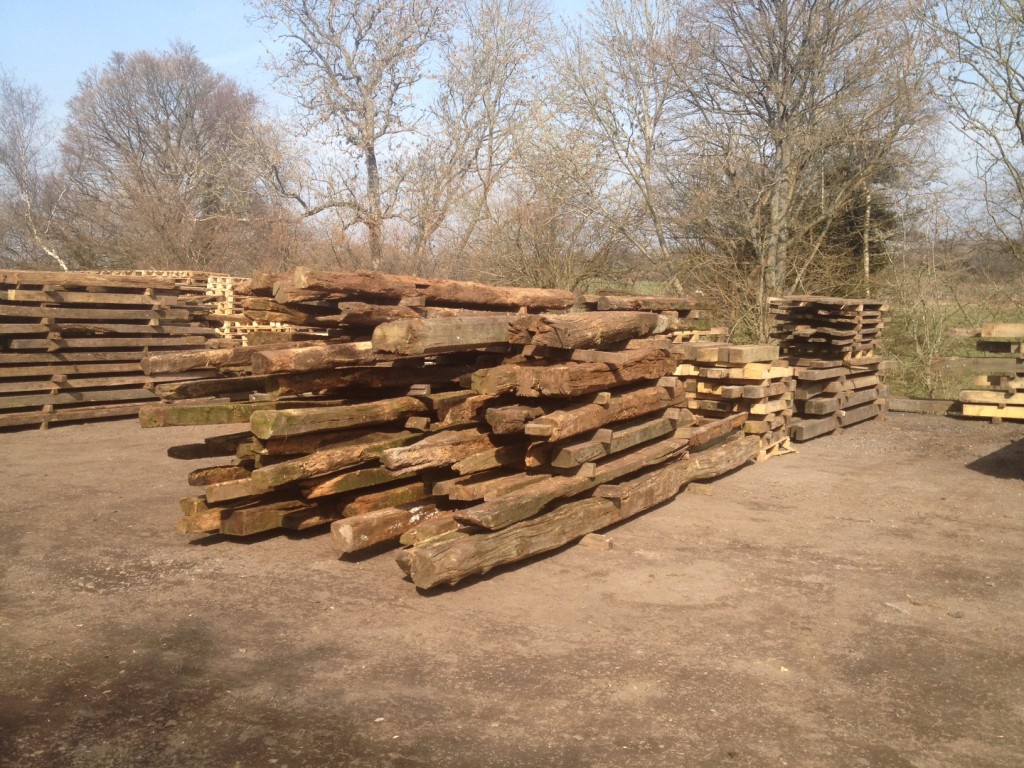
(1000,395)
(726,379)
(831,344)
(71,342)
(475,425)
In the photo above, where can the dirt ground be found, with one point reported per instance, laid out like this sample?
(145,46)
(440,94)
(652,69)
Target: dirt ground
(858,603)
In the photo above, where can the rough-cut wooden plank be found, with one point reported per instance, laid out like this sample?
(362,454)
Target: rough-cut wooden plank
(375,285)
(808,429)
(977,365)
(989,397)
(229,490)
(298,421)
(196,388)
(442,527)
(356,449)
(265,310)
(13,402)
(211,475)
(609,441)
(416,492)
(501,456)
(821,406)
(198,517)
(438,450)
(195,360)
(60,382)
(748,353)
(314,357)
(13,277)
(195,414)
(489,485)
(364,379)
(928,407)
(353,480)
(51,369)
(449,562)
(353,534)
(64,298)
(260,517)
(511,419)
(559,425)
(863,413)
(972,410)
(97,314)
(585,330)
(446,334)
(85,413)
(107,342)
(1003,331)
(574,379)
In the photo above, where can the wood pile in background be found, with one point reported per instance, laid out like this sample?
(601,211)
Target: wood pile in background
(475,425)
(831,344)
(725,379)
(1000,395)
(71,342)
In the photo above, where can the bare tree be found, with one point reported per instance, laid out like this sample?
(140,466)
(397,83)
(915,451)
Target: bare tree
(26,188)
(352,67)
(615,84)
(982,85)
(160,168)
(798,109)
(484,112)
(545,227)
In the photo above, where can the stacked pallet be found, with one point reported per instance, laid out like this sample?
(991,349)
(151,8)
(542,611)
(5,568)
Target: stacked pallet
(831,344)
(488,426)
(71,342)
(726,379)
(999,395)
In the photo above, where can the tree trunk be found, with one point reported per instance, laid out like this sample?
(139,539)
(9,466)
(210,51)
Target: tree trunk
(375,215)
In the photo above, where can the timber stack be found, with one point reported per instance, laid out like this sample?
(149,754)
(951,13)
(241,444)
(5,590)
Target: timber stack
(725,379)
(474,425)
(831,345)
(71,342)
(998,396)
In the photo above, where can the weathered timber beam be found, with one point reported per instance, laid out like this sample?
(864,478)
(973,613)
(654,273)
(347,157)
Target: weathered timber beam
(352,480)
(196,388)
(585,330)
(451,561)
(294,421)
(316,357)
(444,334)
(573,379)
(368,378)
(358,449)
(569,422)
(365,284)
(86,280)
(438,450)
(195,414)
(353,534)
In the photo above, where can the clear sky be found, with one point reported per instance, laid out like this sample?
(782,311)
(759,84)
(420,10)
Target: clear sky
(50,43)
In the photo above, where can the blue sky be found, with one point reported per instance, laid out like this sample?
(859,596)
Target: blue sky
(50,43)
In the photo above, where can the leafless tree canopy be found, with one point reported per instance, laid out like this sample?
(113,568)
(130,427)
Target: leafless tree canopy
(740,147)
